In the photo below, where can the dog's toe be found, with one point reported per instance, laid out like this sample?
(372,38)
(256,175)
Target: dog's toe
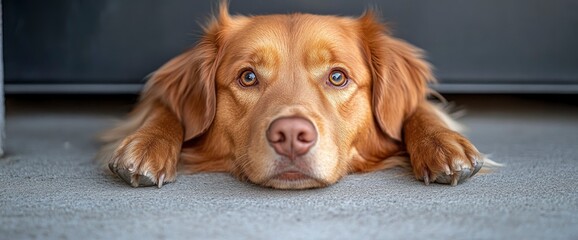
(141,180)
(458,177)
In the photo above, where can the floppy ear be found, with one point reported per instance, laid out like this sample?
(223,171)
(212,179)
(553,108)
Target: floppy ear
(186,84)
(400,75)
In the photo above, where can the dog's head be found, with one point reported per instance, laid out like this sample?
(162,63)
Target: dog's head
(295,101)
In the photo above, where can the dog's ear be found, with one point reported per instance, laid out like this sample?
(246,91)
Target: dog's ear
(186,84)
(399,73)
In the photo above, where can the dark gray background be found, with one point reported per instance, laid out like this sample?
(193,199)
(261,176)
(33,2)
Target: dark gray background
(111,45)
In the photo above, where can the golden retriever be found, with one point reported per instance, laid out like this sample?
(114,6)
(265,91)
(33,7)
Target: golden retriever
(290,101)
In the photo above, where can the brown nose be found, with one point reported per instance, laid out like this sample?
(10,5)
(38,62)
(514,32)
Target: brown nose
(292,137)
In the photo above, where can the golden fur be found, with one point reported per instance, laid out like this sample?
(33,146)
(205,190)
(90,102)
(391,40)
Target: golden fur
(194,116)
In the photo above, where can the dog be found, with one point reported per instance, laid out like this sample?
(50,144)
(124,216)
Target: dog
(290,101)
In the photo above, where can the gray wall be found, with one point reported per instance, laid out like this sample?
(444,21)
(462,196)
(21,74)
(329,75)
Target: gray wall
(110,45)
(1,91)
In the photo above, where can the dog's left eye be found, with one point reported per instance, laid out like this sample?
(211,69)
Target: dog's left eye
(337,78)
(248,78)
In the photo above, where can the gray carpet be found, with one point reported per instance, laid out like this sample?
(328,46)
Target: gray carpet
(51,189)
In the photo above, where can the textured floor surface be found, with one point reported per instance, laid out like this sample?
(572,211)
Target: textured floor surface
(51,189)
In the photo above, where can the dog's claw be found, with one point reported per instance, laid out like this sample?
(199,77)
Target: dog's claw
(455,178)
(161,181)
(111,167)
(125,175)
(425,177)
(477,167)
(134,181)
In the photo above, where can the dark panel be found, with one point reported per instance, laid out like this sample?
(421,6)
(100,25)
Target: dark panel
(121,41)
(88,41)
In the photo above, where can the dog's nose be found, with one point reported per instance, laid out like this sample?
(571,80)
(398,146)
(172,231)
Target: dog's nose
(292,137)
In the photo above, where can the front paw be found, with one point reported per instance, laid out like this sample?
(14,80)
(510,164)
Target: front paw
(142,160)
(445,157)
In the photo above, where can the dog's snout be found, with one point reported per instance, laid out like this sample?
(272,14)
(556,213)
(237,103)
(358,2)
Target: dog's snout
(292,137)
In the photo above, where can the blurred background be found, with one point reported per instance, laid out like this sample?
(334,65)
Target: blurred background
(109,46)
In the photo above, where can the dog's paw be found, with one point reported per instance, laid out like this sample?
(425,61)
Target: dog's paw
(142,160)
(446,157)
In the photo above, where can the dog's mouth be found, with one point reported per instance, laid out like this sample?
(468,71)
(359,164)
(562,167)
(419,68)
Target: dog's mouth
(294,179)
(291,176)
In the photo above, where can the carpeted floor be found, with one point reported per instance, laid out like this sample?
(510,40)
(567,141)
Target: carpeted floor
(51,189)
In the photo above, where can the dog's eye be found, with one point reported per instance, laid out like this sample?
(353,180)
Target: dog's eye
(248,79)
(337,78)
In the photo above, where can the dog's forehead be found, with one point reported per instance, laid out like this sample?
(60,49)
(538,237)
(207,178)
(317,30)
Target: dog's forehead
(294,29)
(315,40)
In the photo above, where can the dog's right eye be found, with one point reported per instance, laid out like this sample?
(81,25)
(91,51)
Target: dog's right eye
(338,78)
(248,79)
